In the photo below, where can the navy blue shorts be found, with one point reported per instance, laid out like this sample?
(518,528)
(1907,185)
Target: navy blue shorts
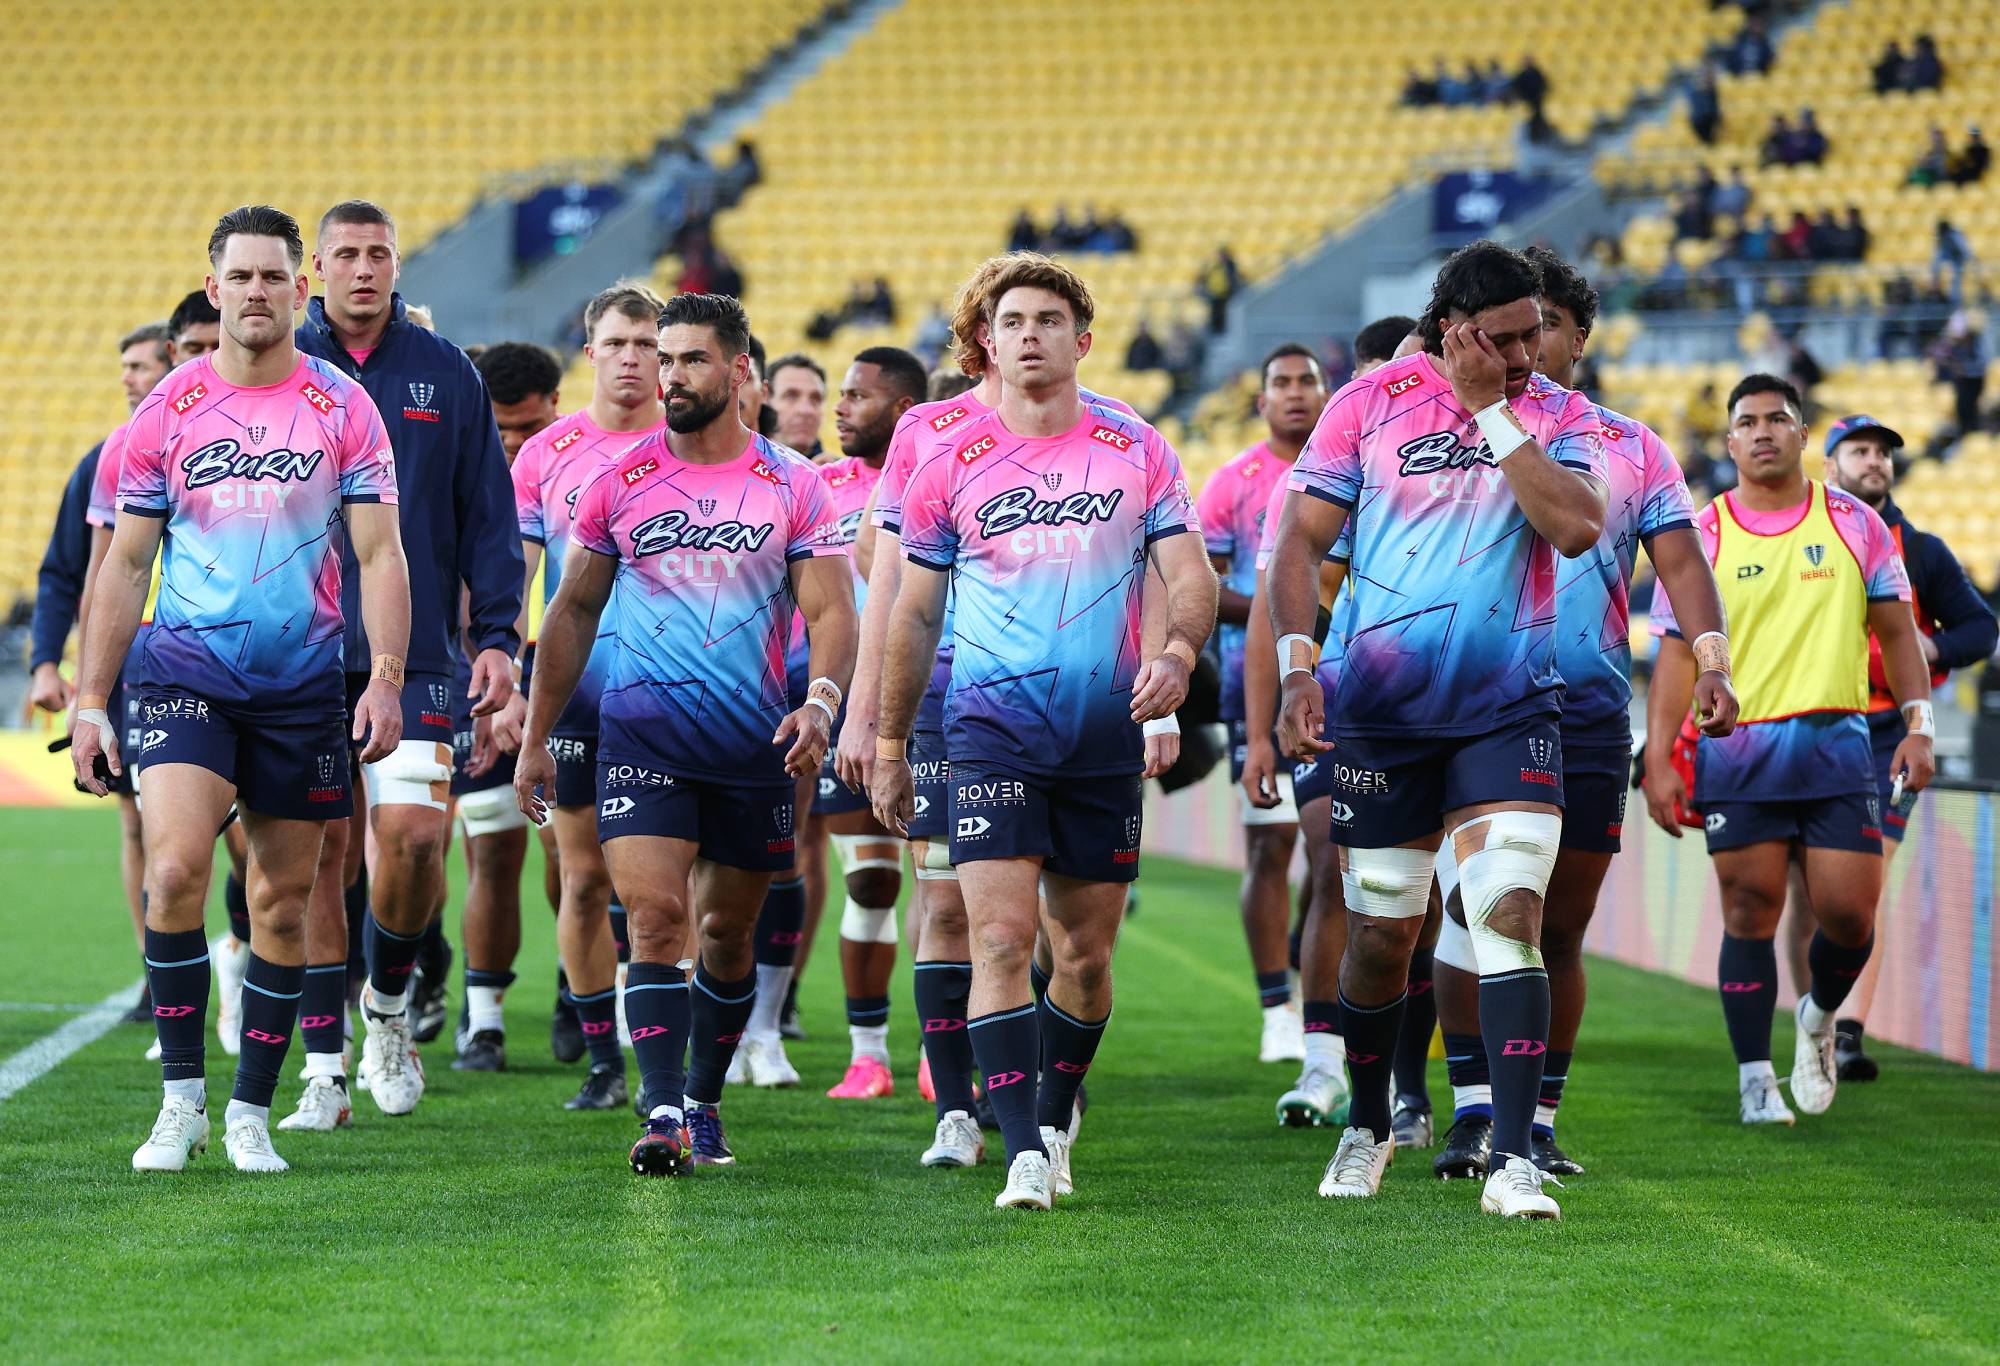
(1595,781)
(1085,828)
(1390,789)
(930,769)
(832,797)
(576,769)
(1311,779)
(1882,742)
(500,775)
(293,766)
(742,827)
(1851,821)
(430,705)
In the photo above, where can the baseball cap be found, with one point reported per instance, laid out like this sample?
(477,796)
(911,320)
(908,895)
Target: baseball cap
(1855,426)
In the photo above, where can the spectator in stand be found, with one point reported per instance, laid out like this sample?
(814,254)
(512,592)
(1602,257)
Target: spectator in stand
(1120,233)
(1809,144)
(1220,279)
(1494,84)
(933,335)
(1733,197)
(1777,144)
(1025,235)
(1969,165)
(1953,253)
(1889,68)
(723,275)
(1531,87)
(1926,69)
(1145,353)
(1751,53)
(1823,242)
(1755,246)
(1692,219)
(1419,91)
(1451,90)
(1934,166)
(879,305)
(1705,107)
(1796,244)
(1857,235)
(1960,357)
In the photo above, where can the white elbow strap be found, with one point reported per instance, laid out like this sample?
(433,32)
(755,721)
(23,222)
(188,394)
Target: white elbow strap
(868,924)
(1519,854)
(415,774)
(491,812)
(1389,884)
(859,852)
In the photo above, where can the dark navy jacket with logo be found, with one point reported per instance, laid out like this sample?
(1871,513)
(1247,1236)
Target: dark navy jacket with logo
(455,496)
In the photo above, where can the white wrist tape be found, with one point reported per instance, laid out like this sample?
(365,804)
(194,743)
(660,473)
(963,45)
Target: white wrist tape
(1920,715)
(96,716)
(1165,725)
(1503,431)
(820,702)
(829,685)
(1288,663)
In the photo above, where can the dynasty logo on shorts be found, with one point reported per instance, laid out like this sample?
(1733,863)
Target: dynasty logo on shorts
(152,740)
(611,808)
(985,793)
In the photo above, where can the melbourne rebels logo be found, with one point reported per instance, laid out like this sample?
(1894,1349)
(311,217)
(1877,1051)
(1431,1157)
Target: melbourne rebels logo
(673,531)
(225,459)
(421,394)
(707,506)
(257,434)
(420,401)
(1815,553)
(1052,480)
(1019,507)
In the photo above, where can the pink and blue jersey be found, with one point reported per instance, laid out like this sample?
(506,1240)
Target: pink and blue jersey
(1648,495)
(1333,649)
(1232,507)
(848,483)
(702,607)
(103,506)
(251,483)
(549,475)
(1451,626)
(1045,540)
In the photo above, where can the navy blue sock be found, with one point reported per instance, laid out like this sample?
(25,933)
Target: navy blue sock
(1295,948)
(177,972)
(1008,1046)
(355,900)
(939,991)
(1273,989)
(1370,1032)
(1747,977)
(1321,1017)
(598,1016)
(323,1007)
(480,977)
(434,953)
(867,1012)
(717,1012)
(1413,1039)
(619,934)
(1068,1045)
(656,1006)
(1514,1017)
(1555,1073)
(391,957)
(1834,969)
(1038,981)
(780,924)
(237,902)
(1465,1065)
(271,995)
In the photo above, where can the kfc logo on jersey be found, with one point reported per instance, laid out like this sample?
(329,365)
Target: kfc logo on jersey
(186,401)
(976,449)
(566,440)
(639,471)
(1111,437)
(1402,386)
(945,419)
(763,470)
(318,398)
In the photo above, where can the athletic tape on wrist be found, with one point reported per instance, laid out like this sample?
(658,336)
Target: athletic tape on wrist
(1503,431)
(1711,652)
(1923,723)
(1288,663)
(1163,725)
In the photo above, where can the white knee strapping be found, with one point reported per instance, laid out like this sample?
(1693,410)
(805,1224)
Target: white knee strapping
(868,924)
(1447,871)
(410,776)
(1454,947)
(852,860)
(1519,854)
(935,865)
(490,812)
(1389,884)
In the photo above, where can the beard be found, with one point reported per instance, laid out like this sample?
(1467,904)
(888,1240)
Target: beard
(699,411)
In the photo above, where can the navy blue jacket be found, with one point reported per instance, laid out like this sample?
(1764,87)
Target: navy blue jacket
(452,487)
(59,586)
(1949,609)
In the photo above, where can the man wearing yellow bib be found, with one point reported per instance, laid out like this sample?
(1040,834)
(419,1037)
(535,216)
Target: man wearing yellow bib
(1806,574)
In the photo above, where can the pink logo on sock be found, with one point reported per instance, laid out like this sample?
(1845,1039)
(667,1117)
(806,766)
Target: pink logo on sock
(1005,1079)
(730,1038)
(261,1037)
(318,1021)
(1073,1068)
(943,1026)
(647,1032)
(172,1012)
(1523,1048)
(789,939)
(1736,987)
(1418,987)
(1318,1027)
(1353,1056)
(597,1026)
(402,971)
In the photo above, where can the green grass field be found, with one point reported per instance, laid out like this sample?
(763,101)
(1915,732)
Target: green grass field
(493,1224)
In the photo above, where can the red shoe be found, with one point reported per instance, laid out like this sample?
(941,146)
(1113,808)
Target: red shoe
(924,1087)
(866,1079)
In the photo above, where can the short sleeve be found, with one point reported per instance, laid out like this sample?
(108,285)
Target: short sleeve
(896,470)
(1274,511)
(1577,441)
(142,474)
(929,538)
(590,525)
(1882,567)
(815,530)
(1330,465)
(1217,511)
(367,464)
(102,509)
(527,477)
(1343,544)
(1665,504)
(1169,504)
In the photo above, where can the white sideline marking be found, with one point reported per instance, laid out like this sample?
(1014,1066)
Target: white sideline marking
(52,1049)
(44,1007)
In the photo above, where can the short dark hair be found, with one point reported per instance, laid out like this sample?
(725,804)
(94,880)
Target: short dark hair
(1565,286)
(1761,383)
(632,299)
(904,371)
(756,350)
(1290,348)
(946,383)
(789,359)
(1378,341)
(192,311)
(257,220)
(356,213)
(518,370)
(1476,277)
(719,312)
(157,334)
